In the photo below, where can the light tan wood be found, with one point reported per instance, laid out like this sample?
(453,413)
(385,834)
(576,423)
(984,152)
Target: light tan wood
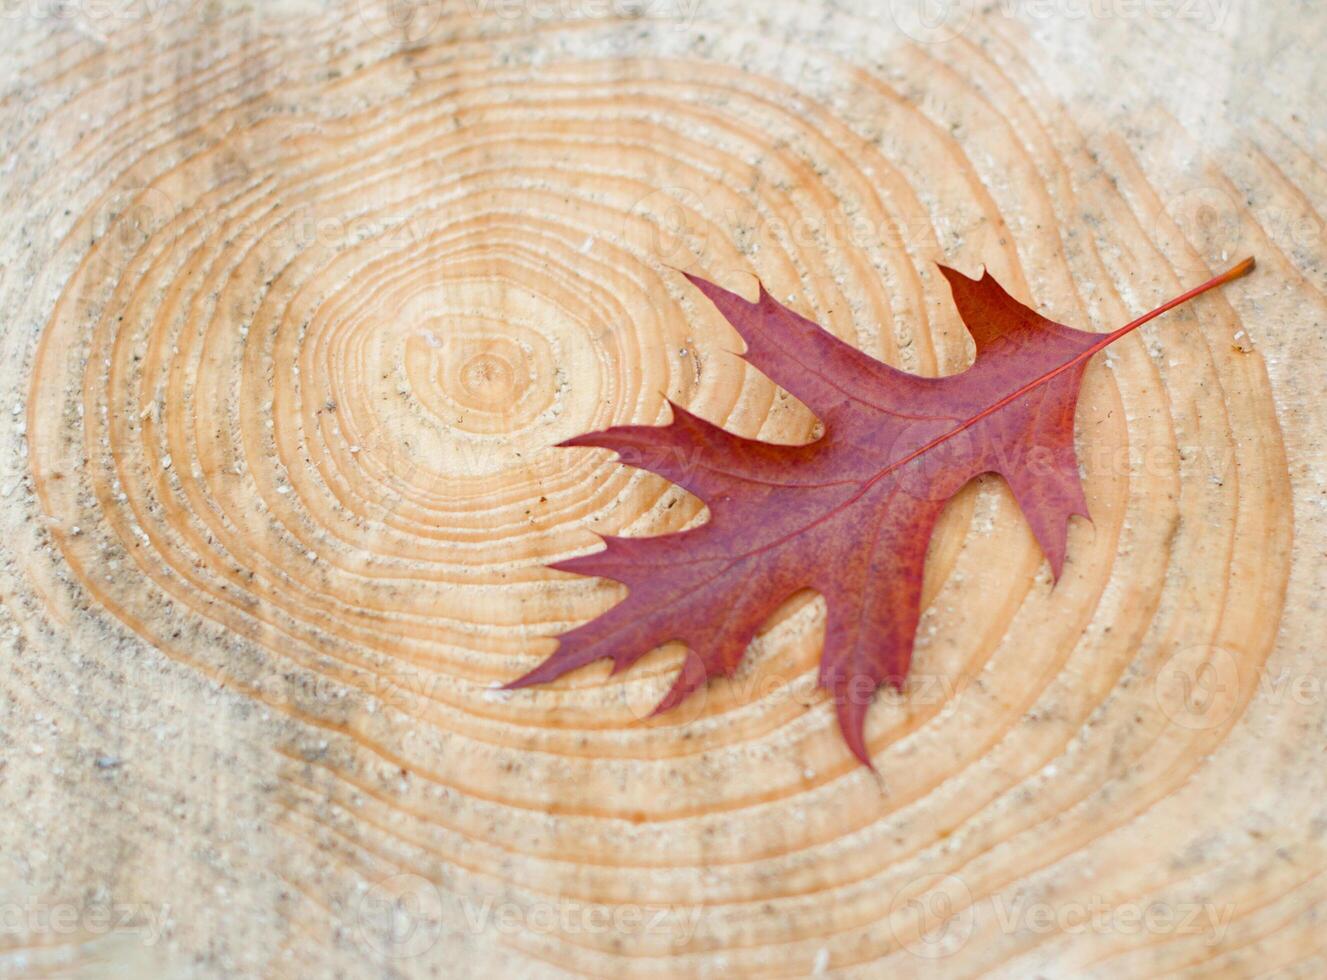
(295,301)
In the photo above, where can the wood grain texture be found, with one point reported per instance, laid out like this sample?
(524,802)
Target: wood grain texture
(295,301)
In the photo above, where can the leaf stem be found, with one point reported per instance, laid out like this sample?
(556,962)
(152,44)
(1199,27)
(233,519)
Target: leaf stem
(1231,274)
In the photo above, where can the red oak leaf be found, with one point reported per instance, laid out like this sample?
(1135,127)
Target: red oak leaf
(849,515)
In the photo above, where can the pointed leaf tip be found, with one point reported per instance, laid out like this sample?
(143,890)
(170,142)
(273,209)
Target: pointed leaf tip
(691,676)
(953,275)
(852,724)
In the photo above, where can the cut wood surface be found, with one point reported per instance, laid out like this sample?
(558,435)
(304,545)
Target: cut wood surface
(296,301)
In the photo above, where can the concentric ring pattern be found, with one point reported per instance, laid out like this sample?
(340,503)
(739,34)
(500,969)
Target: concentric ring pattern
(291,420)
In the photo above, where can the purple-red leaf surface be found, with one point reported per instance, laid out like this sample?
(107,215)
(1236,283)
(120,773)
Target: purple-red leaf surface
(851,514)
